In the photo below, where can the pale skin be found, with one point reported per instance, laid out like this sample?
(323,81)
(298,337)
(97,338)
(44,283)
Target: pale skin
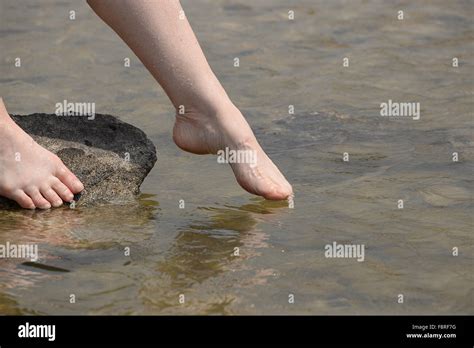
(29,174)
(163,40)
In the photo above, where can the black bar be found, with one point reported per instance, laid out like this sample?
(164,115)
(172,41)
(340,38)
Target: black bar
(288,330)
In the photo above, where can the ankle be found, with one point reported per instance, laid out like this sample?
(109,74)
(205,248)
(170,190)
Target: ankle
(5,119)
(208,108)
(6,127)
(11,133)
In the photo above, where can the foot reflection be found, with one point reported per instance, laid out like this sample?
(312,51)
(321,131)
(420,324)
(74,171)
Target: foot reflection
(210,246)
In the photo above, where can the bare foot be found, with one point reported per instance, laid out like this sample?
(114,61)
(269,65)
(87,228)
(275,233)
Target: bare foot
(29,174)
(200,133)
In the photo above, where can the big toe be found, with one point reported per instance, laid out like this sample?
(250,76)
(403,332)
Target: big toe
(276,187)
(279,192)
(69,179)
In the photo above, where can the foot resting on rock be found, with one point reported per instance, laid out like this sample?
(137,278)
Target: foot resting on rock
(29,174)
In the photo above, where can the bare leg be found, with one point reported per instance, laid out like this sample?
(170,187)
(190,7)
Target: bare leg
(169,49)
(30,174)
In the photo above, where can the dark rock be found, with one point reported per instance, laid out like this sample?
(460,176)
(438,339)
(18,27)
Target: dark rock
(110,157)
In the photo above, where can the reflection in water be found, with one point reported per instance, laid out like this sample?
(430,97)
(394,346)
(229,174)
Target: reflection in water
(72,241)
(8,306)
(72,228)
(63,235)
(205,249)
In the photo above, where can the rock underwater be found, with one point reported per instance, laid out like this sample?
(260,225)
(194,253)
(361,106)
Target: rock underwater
(110,157)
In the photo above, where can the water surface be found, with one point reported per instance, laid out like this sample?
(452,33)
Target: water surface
(191,251)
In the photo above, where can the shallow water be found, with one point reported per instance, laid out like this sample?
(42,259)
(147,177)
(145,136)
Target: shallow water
(190,251)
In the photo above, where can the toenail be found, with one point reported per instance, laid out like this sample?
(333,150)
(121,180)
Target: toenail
(77,196)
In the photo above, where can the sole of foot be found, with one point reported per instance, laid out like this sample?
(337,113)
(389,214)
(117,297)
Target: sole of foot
(207,133)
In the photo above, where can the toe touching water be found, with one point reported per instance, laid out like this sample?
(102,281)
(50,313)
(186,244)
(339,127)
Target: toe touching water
(208,133)
(207,121)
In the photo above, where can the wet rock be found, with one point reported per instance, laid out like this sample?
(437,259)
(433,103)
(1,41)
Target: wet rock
(110,157)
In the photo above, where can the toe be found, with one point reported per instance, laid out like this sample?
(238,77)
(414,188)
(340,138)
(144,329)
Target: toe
(288,190)
(23,199)
(37,198)
(285,191)
(69,179)
(278,192)
(62,190)
(276,195)
(51,196)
